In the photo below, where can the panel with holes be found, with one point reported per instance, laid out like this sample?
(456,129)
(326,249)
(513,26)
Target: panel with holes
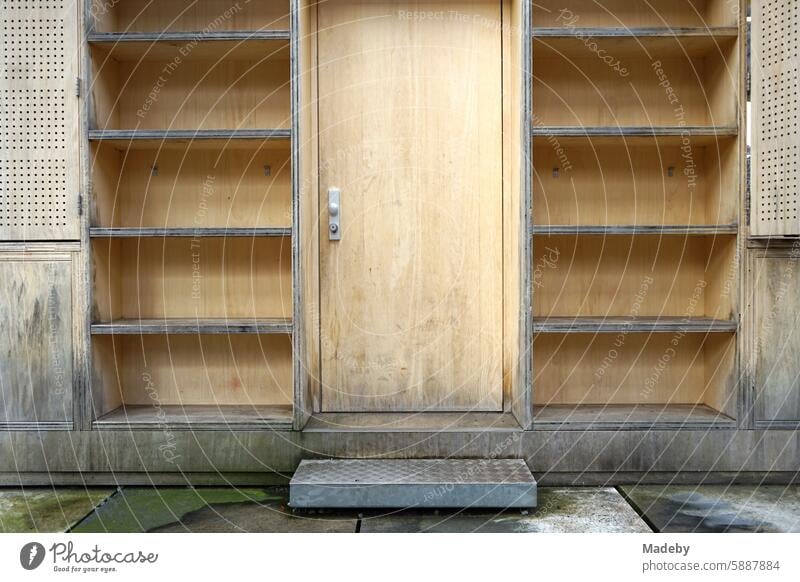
(39,120)
(776,105)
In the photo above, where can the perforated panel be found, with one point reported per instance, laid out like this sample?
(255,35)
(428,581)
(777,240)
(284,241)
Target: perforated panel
(38,120)
(776,101)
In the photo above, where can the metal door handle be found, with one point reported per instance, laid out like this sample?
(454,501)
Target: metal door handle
(334,214)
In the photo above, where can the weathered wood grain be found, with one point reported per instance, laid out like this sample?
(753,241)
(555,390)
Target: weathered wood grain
(36,359)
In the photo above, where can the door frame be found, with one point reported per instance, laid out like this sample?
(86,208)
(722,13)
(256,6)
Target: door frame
(517,217)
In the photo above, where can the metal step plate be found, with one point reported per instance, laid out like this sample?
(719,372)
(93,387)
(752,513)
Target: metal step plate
(413,483)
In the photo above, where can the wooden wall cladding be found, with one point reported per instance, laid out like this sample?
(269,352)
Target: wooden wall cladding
(775,337)
(776,143)
(36,345)
(39,120)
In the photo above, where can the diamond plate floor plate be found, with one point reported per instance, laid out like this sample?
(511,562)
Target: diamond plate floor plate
(413,483)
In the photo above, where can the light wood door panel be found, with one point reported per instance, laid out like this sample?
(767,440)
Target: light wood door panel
(36,358)
(410,114)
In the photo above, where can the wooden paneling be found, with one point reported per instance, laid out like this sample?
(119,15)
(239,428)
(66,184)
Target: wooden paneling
(775,346)
(517,218)
(776,104)
(306,218)
(36,345)
(411,297)
(39,120)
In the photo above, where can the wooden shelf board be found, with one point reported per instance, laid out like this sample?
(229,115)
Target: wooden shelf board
(643,32)
(125,232)
(630,417)
(215,138)
(656,229)
(634,131)
(198,417)
(640,42)
(143,47)
(178,325)
(173,36)
(614,324)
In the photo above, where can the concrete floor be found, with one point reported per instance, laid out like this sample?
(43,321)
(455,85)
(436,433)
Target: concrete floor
(623,509)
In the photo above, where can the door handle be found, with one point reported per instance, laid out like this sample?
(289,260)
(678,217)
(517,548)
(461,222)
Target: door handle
(334,214)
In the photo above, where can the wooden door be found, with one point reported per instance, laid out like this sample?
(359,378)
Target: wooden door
(410,130)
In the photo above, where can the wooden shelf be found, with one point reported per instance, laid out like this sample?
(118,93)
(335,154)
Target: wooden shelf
(178,36)
(630,417)
(197,417)
(638,229)
(206,378)
(634,368)
(182,135)
(634,131)
(178,277)
(119,232)
(632,325)
(177,325)
(626,44)
(602,276)
(642,32)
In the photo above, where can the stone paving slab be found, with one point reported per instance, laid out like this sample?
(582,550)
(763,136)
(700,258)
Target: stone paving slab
(46,510)
(207,510)
(712,508)
(560,510)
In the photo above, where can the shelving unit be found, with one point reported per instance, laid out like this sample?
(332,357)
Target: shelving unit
(191,215)
(635,214)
